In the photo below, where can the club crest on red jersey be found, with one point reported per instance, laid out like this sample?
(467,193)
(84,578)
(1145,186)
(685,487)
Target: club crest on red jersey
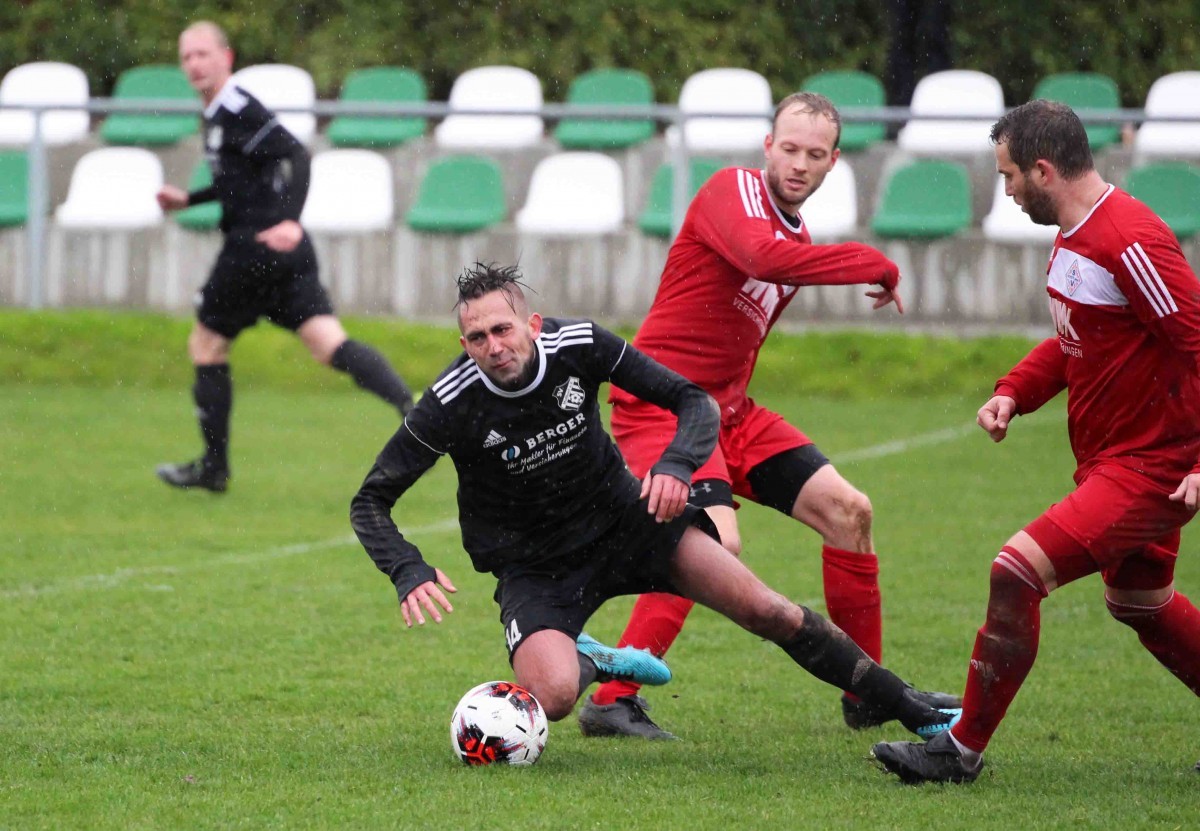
(1074,278)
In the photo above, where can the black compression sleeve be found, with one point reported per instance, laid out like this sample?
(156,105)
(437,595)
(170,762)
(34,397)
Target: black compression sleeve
(296,188)
(197,197)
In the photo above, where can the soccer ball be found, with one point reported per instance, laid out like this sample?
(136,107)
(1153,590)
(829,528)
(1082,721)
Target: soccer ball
(498,722)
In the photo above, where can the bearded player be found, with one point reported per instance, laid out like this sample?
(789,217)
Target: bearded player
(741,254)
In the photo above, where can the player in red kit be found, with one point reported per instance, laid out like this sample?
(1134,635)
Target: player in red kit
(739,258)
(1126,307)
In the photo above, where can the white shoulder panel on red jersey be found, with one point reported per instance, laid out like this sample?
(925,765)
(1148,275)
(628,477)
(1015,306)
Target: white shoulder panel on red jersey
(751,192)
(1146,276)
(1083,281)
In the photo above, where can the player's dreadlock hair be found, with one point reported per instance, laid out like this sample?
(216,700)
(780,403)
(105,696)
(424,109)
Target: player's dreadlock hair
(482,278)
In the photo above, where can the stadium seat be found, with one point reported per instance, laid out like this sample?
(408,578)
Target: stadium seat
(1007,223)
(278,86)
(381,84)
(351,193)
(740,92)
(44,82)
(493,87)
(555,206)
(205,216)
(1172,190)
(924,199)
(657,217)
(1085,91)
(832,212)
(113,189)
(625,87)
(852,88)
(160,81)
(963,92)
(1176,94)
(459,195)
(14,188)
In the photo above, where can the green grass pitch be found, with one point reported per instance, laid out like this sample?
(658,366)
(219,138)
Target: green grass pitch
(182,660)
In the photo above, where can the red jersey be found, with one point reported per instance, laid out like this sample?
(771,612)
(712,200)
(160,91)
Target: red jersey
(730,274)
(1127,309)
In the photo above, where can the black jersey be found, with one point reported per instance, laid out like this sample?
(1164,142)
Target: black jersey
(538,477)
(260,171)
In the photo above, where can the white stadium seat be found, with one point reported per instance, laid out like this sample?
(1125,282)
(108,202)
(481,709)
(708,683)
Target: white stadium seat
(279,85)
(1175,94)
(350,193)
(740,92)
(493,87)
(574,194)
(1006,222)
(113,189)
(832,212)
(44,82)
(952,92)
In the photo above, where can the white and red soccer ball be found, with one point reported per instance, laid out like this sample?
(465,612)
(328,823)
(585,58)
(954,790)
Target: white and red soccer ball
(498,722)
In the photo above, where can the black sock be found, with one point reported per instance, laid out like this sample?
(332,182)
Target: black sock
(829,654)
(213,393)
(587,672)
(371,371)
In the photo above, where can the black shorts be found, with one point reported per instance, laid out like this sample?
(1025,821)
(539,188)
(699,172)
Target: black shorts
(634,557)
(249,281)
(776,481)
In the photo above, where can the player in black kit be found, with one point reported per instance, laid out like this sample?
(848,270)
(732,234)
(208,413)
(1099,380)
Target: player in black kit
(267,267)
(547,505)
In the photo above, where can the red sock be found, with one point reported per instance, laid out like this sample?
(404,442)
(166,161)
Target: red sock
(1171,633)
(852,597)
(1005,648)
(654,625)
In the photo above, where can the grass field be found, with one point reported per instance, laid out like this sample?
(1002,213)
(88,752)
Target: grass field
(181,660)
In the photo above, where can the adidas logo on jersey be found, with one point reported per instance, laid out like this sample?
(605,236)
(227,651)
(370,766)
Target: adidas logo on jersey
(493,439)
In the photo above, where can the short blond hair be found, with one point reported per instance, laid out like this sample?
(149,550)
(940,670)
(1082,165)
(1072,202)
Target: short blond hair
(211,28)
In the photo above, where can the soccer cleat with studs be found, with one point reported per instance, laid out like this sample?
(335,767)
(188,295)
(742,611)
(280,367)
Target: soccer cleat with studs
(624,717)
(860,715)
(937,760)
(194,475)
(624,664)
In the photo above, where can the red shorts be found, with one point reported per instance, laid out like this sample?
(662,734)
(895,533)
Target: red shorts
(1125,523)
(642,431)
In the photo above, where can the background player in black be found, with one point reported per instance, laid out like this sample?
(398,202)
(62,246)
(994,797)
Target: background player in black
(267,267)
(547,505)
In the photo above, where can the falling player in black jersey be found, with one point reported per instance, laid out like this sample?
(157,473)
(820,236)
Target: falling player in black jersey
(267,267)
(547,505)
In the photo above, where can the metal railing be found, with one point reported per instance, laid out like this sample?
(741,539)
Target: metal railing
(663,114)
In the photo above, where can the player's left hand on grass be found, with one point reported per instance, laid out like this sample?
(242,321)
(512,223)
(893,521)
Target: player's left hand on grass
(1188,491)
(667,496)
(429,596)
(283,237)
(884,296)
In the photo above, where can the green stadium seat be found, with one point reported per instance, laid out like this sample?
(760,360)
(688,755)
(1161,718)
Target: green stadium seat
(459,195)
(203,217)
(924,200)
(657,215)
(154,81)
(626,87)
(1172,190)
(14,188)
(1085,91)
(381,84)
(851,88)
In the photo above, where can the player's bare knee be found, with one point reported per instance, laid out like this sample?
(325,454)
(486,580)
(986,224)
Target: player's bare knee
(557,698)
(732,542)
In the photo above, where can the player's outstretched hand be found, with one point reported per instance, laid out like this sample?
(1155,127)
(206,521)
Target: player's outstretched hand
(429,596)
(283,237)
(171,198)
(995,415)
(667,496)
(884,296)
(1188,491)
